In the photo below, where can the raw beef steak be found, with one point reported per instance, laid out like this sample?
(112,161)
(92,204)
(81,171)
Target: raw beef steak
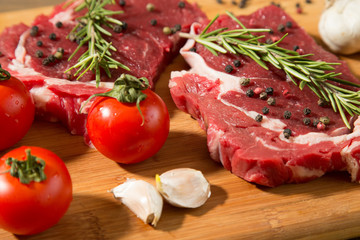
(142,46)
(256,149)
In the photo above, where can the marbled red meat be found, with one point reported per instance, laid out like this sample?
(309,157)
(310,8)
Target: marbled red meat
(143,47)
(258,151)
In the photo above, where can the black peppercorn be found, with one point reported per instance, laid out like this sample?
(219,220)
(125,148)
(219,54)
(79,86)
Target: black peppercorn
(58,55)
(51,58)
(34,31)
(58,24)
(39,43)
(193,49)
(72,37)
(281,28)
(122,3)
(307,111)
(287,114)
(61,50)
(315,122)
(271,101)
(153,22)
(269,41)
(289,24)
(167,30)
(245,82)
(250,93)
(296,47)
(124,26)
(306,121)
(78,40)
(322,103)
(269,90)
(263,95)
(52,36)
(150,7)
(265,110)
(259,118)
(177,27)
(237,63)
(325,120)
(242,4)
(46,61)
(271,31)
(39,54)
(287,133)
(118,28)
(275,4)
(181,4)
(229,68)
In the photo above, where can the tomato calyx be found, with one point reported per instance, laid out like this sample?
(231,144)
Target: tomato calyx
(127,89)
(4,75)
(32,169)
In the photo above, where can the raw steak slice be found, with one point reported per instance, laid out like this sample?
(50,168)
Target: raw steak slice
(258,151)
(143,47)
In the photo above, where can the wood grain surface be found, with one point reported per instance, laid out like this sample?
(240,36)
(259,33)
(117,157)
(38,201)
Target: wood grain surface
(327,208)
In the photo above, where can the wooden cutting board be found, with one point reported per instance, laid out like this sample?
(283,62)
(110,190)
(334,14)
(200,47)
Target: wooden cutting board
(327,208)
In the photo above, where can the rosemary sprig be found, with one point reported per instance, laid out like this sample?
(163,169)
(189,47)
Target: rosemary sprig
(317,75)
(90,30)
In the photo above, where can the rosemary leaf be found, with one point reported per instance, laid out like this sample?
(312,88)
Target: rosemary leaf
(302,85)
(215,32)
(342,114)
(331,98)
(227,46)
(210,23)
(92,32)
(211,44)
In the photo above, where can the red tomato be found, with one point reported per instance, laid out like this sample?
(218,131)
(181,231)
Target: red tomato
(116,128)
(16,112)
(32,208)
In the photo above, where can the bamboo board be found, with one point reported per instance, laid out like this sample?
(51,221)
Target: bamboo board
(327,208)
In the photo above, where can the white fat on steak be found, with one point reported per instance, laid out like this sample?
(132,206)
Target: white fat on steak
(67,15)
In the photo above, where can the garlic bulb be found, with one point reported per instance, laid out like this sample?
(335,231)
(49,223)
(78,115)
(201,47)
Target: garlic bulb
(141,198)
(339,26)
(183,187)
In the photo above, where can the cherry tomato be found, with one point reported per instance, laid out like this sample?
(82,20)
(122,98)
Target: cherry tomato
(34,207)
(117,130)
(16,112)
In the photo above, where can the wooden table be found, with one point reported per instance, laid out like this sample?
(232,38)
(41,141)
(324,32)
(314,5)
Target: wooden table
(327,208)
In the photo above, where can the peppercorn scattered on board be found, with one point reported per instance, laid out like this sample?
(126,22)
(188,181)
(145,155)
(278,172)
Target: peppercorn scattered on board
(326,208)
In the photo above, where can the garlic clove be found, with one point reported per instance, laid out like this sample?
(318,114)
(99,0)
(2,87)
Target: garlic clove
(141,198)
(339,26)
(184,187)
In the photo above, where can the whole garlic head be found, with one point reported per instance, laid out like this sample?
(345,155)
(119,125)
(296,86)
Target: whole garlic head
(339,26)
(184,187)
(141,198)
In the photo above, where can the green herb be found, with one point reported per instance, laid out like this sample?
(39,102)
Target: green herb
(90,30)
(32,169)
(4,75)
(127,89)
(317,75)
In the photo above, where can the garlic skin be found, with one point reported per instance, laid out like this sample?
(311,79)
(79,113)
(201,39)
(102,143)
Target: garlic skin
(339,26)
(141,198)
(184,187)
